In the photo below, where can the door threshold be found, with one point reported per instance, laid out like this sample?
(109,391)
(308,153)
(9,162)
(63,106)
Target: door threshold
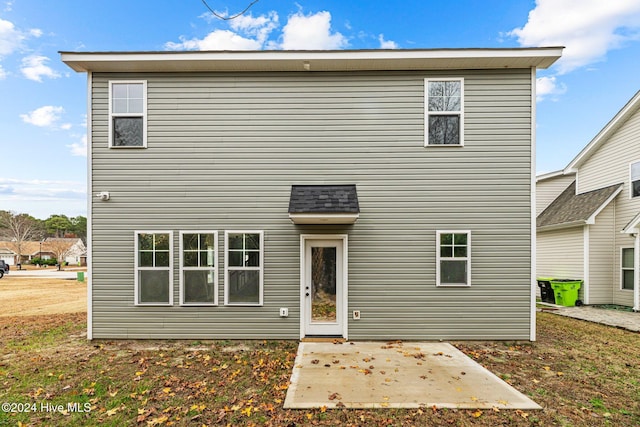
(334,339)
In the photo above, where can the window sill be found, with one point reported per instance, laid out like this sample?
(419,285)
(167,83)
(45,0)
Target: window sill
(443,145)
(198,304)
(153,304)
(453,285)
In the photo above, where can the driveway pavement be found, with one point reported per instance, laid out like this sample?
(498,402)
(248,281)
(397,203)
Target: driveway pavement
(395,375)
(620,319)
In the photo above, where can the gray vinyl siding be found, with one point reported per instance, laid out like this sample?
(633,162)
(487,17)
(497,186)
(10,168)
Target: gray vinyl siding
(602,271)
(548,190)
(224,150)
(610,165)
(560,253)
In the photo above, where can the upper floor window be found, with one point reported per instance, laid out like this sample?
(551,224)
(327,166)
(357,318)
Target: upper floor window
(635,179)
(453,258)
(128,114)
(444,106)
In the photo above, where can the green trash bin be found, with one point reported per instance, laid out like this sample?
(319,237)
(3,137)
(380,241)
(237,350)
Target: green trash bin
(80,276)
(566,292)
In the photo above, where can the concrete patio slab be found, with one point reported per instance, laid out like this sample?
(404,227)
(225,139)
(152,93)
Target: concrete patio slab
(395,375)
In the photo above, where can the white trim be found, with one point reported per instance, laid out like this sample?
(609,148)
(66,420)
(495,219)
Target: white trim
(89,277)
(259,268)
(459,113)
(631,182)
(534,195)
(622,268)
(467,259)
(182,268)
(345,279)
(320,60)
(632,226)
(143,114)
(636,274)
(138,268)
(585,264)
(548,175)
(323,218)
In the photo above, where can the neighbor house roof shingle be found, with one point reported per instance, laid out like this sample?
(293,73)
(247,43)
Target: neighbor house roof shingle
(571,209)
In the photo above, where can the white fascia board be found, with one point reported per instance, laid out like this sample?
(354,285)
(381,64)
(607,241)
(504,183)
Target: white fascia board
(551,175)
(571,224)
(336,60)
(632,226)
(323,218)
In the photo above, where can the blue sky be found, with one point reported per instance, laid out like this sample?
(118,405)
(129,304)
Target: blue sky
(43,103)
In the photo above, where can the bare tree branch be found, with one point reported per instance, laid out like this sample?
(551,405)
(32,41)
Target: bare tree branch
(228,18)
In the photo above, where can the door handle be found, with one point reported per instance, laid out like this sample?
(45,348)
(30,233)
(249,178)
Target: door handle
(307,294)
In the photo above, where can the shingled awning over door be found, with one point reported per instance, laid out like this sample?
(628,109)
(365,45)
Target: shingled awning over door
(324,204)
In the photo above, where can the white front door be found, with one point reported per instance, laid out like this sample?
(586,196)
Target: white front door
(323,286)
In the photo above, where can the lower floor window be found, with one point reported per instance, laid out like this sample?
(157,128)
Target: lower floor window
(627,268)
(198,268)
(243,267)
(153,268)
(453,258)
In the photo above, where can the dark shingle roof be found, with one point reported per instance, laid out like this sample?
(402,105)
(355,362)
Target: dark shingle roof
(572,208)
(324,199)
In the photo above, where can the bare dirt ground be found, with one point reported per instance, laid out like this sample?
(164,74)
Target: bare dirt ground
(29,296)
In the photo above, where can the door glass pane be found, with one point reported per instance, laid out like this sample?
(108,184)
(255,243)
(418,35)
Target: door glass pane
(323,284)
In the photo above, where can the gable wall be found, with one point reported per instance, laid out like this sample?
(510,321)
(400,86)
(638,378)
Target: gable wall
(224,150)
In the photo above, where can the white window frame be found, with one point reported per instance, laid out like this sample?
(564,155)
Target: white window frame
(206,268)
(459,113)
(631,180)
(623,269)
(143,114)
(467,258)
(227,268)
(138,268)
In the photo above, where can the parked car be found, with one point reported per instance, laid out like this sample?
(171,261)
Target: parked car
(4,268)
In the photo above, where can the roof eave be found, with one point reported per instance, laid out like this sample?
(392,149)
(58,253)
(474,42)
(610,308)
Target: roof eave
(323,218)
(335,60)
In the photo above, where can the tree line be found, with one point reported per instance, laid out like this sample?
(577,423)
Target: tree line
(21,227)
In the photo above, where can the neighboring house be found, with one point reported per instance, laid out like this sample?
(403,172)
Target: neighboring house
(589,215)
(70,250)
(291,194)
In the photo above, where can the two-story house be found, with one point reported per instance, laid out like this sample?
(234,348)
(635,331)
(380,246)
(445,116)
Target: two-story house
(382,194)
(589,215)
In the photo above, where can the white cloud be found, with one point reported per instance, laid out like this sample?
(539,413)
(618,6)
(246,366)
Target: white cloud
(46,116)
(3,73)
(216,40)
(387,44)
(587,28)
(548,87)
(79,148)
(311,32)
(248,33)
(34,68)
(10,38)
